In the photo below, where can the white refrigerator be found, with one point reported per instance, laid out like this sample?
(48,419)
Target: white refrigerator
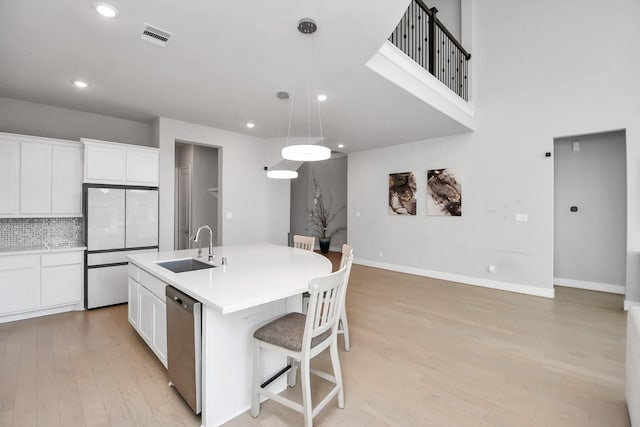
(119,221)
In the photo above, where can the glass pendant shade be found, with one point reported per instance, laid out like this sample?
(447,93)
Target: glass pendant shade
(282,174)
(306,152)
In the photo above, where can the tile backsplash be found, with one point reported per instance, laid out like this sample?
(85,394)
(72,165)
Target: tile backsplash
(27,232)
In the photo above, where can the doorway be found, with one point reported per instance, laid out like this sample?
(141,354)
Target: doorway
(196,192)
(590,212)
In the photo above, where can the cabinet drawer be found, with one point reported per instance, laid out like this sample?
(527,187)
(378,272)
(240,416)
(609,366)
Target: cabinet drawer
(17,262)
(153,284)
(63,258)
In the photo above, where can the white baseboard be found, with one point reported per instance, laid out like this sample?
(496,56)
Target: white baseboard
(467,280)
(591,286)
(37,313)
(628,304)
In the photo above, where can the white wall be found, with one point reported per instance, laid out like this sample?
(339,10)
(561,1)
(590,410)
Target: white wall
(204,176)
(590,245)
(331,175)
(538,76)
(30,118)
(449,14)
(259,206)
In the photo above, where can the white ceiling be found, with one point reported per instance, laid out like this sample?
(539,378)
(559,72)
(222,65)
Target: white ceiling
(223,68)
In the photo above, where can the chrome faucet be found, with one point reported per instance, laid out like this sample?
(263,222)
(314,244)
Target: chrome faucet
(195,239)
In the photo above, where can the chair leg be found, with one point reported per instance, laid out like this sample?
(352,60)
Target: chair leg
(305,381)
(291,375)
(345,330)
(255,381)
(337,372)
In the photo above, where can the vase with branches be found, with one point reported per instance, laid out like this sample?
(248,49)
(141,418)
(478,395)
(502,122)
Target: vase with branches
(321,216)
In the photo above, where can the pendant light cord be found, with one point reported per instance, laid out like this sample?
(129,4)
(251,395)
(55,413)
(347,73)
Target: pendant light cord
(293,97)
(313,50)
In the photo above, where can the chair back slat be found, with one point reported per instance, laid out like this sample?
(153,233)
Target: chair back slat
(304,242)
(325,303)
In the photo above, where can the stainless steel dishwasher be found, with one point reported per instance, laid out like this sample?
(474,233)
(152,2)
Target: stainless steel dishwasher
(184,351)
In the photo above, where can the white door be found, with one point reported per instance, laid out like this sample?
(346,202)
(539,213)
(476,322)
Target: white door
(61,285)
(104,164)
(142,167)
(141,218)
(184,207)
(66,180)
(146,323)
(105,218)
(160,329)
(133,302)
(9,176)
(35,178)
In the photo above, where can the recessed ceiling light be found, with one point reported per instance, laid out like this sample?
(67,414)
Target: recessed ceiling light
(80,84)
(340,145)
(322,97)
(106,10)
(251,125)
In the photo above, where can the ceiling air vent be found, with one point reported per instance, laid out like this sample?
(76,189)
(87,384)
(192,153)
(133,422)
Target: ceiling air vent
(156,36)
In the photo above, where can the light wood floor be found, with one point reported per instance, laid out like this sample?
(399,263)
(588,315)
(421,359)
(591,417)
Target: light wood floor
(424,353)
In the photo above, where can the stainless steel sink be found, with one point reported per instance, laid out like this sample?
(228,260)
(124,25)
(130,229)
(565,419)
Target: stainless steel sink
(184,265)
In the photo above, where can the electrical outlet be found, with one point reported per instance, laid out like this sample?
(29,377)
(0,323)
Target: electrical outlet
(380,254)
(492,269)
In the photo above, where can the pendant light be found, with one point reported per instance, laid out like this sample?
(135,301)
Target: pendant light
(282,174)
(307,152)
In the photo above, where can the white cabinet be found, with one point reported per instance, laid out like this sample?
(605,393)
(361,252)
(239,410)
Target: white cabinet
(9,175)
(39,177)
(159,338)
(148,310)
(145,323)
(133,303)
(61,279)
(19,284)
(66,179)
(103,163)
(35,178)
(142,166)
(123,164)
(40,284)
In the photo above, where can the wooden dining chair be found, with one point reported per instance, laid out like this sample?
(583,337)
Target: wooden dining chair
(307,243)
(300,338)
(343,325)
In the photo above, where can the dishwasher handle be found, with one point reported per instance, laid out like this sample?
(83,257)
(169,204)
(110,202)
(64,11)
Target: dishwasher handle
(181,299)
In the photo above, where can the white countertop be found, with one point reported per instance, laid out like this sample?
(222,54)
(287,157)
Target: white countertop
(255,274)
(31,250)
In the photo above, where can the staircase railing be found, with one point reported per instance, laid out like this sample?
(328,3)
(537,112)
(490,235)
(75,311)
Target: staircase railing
(422,36)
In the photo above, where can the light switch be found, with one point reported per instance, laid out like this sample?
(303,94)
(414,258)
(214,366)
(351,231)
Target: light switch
(358,213)
(522,217)
(229,215)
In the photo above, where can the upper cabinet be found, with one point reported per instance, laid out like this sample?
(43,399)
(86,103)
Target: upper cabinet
(121,164)
(40,177)
(66,179)
(9,175)
(35,178)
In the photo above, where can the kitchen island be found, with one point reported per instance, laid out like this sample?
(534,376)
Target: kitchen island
(257,283)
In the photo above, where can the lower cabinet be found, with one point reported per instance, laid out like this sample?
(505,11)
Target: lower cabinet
(133,303)
(148,312)
(61,285)
(19,284)
(40,284)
